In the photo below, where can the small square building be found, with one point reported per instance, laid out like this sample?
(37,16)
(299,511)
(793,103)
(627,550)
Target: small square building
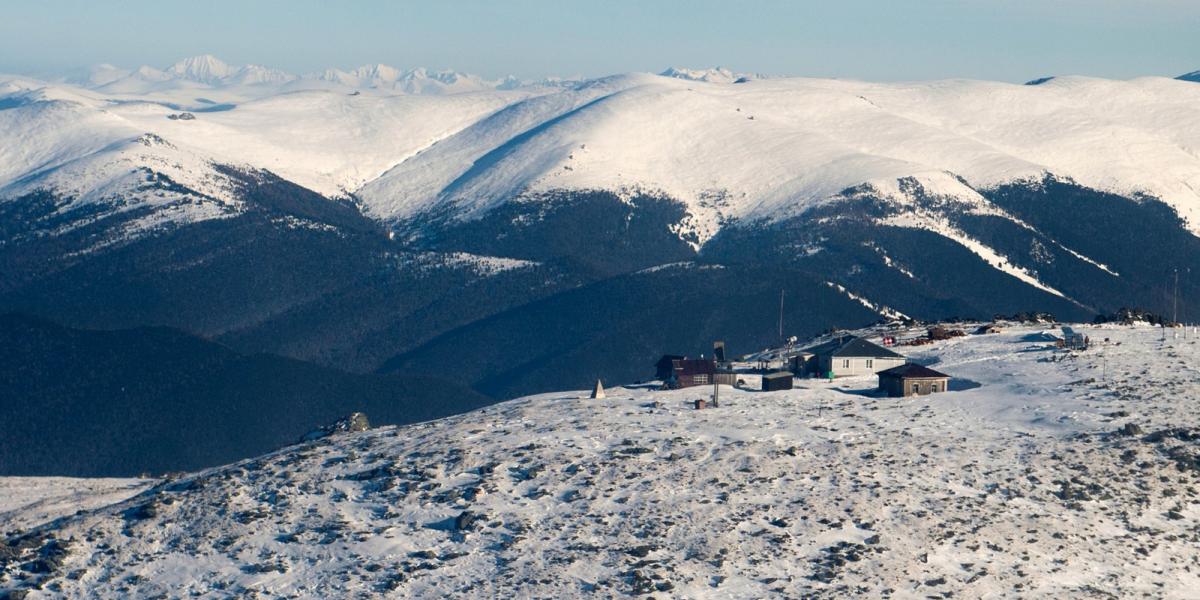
(912,380)
(779,380)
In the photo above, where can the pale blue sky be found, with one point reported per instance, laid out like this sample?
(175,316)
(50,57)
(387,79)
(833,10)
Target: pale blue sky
(1012,40)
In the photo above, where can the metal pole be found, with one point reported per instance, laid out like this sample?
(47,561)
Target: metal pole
(1175,301)
(781,315)
(1189,272)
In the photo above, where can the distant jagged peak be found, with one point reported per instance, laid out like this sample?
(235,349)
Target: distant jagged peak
(208,70)
(445,76)
(378,71)
(251,74)
(1193,76)
(148,73)
(410,80)
(710,75)
(205,68)
(95,75)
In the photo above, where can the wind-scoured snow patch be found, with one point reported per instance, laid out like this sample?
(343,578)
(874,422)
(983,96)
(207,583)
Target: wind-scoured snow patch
(936,187)
(1085,259)
(916,197)
(881,309)
(679,266)
(916,193)
(292,222)
(486,266)
(887,260)
(26,502)
(918,219)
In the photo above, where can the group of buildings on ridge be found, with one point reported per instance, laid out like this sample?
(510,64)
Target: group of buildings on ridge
(844,356)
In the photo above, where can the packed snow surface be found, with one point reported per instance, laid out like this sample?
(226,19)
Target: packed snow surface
(26,502)
(732,152)
(1043,474)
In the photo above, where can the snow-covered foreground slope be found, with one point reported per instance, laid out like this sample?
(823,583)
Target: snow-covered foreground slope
(1016,488)
(26,502)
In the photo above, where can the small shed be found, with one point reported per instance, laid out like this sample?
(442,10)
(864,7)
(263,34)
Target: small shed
(1074,340)
(803,363)
(779,380)
(912,380)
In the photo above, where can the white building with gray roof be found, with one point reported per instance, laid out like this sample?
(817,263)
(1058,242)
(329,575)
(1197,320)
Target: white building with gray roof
(846,356)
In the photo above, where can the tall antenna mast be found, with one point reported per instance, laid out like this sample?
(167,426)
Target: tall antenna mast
(780,315)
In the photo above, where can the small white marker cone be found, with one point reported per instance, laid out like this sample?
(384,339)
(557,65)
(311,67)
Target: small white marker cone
(598,391)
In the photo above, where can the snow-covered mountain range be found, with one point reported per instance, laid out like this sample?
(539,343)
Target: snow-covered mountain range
(1043,473)
(769,149)
(875,200)
(209,72)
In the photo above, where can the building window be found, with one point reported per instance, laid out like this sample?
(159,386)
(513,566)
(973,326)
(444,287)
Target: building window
(701,379)
(846,364)
(916,388)
(870,363)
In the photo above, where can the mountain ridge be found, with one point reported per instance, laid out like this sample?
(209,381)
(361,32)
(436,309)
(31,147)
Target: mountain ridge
(331,225)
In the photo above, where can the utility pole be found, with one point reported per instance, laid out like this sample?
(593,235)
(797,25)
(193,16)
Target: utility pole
(716,393)
(780,315)
(1175,300)
(1187,271)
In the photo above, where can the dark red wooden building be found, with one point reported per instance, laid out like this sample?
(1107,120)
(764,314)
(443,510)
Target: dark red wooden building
(680,371)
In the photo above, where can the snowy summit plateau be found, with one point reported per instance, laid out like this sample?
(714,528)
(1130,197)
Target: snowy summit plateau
(1059,474)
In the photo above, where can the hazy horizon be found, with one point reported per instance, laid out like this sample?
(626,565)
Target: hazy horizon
(1005,40)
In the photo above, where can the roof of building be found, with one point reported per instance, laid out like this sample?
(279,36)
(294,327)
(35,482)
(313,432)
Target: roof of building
(694,366)
(913,371)
(853,347)
(778,375)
